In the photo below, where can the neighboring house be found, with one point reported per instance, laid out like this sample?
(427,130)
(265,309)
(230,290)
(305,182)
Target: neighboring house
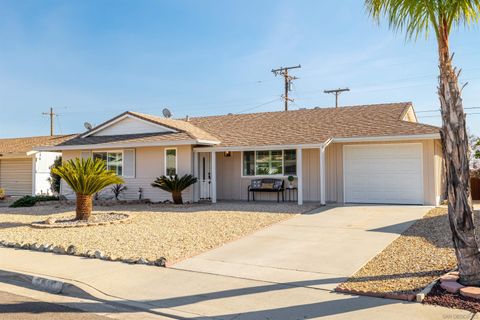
(360,154)
(24,171)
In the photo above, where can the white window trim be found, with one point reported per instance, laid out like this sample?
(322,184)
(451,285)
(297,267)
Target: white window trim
(111,151)
(283,175)
(165,160)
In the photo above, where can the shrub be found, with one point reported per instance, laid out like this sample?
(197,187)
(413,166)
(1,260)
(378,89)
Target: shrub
(55,178)
(30,201)
(175,185)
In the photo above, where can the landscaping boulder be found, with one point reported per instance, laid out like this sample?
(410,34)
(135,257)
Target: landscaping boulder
(99,254)
(142,261)
(72,249)
(161,262)
(50,220)
(59,250)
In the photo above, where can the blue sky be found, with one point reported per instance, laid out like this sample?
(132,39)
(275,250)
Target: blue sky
(91,60)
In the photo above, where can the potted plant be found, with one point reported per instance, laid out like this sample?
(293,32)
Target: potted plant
(290,181)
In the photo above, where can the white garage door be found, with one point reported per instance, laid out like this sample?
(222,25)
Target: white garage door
(383,174)
(16,176)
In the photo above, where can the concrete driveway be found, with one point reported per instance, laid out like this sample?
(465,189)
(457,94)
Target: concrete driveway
(319,249)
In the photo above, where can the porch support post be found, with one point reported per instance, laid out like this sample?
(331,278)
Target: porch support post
(213,178)
(322,175)
(196,186)
(299,176)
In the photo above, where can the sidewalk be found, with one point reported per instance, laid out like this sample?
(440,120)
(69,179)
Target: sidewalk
(180,294)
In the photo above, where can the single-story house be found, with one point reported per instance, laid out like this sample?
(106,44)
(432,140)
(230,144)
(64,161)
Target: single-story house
(359,154)
(24,171)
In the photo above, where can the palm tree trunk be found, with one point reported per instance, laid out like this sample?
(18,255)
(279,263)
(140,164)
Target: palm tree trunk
(455,150)
(177,197)
(84,207)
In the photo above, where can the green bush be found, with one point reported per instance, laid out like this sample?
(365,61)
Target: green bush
(29,201)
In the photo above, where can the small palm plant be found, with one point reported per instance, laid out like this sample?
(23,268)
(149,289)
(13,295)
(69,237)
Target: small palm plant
(174,185)
(86,177)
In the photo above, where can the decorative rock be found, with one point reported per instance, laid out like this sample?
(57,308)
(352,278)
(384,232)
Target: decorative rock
(472,292)
(42,247)
(142,261)
(161,262)
(49,247)
(35,246)
(454,273)
(99,254)
(451,286)
(130,260)
(448,277)
(90,253)
(50,220)
(72,249)
(59,250)
(26,246)
(17,245)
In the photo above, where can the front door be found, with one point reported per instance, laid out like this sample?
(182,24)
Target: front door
(205,175)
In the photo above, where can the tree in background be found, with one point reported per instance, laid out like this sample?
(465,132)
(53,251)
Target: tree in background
(417,17)
(55,178)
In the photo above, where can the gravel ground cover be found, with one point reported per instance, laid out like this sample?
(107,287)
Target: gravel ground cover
(441,297)
(412,261)
(154,231)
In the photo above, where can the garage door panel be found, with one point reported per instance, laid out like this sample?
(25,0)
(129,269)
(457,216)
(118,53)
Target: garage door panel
(16,176)
(384,174)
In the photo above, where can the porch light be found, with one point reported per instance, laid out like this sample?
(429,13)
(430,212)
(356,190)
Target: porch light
(227,154)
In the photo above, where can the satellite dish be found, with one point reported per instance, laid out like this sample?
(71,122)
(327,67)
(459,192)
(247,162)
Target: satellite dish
(88,126)
(166,113)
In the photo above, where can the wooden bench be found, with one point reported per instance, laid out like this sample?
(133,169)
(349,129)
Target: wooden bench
(267,185)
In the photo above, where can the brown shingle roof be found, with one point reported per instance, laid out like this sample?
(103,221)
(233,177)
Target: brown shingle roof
(311,126)
(127,138)
(24,145)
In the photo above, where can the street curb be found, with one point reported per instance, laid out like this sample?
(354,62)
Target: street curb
(83,291)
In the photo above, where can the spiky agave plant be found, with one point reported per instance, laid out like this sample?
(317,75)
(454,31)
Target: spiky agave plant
(174,185)
(86,177)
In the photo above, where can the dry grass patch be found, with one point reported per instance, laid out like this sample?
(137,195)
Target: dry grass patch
(154,231)
(412,261)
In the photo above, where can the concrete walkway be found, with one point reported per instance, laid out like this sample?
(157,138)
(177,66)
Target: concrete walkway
(284,272)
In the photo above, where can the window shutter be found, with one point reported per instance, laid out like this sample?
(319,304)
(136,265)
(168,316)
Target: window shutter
(86,154)
(129,163)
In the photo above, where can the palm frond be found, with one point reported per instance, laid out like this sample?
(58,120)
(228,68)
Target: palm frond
(88,176)
(417,17)
(173,183)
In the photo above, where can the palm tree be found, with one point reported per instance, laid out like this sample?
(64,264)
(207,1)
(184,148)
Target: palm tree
(419,17)
(86,177)
(174,185)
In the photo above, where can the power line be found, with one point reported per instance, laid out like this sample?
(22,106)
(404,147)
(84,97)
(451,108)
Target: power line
(259,105)
(437,116)
(283,71)
(336,92)
(438,110)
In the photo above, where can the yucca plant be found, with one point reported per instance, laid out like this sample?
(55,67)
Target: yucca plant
(86,177)
(174,185)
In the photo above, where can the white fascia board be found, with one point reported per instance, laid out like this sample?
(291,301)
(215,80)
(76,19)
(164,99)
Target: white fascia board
(16,155)
(123,145)
(389,138)
(108,124)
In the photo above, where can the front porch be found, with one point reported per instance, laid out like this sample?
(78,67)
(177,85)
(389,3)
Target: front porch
(223,173)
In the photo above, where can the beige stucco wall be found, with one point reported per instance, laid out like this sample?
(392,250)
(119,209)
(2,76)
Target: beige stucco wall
(149,164)
(231,186)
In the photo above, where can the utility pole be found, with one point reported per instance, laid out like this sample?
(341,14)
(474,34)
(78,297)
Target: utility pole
(288,81)
(51,114)
(336,92)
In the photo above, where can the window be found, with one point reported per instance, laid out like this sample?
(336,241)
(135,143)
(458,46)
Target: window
(269,162)
(113,160)
(170,162)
